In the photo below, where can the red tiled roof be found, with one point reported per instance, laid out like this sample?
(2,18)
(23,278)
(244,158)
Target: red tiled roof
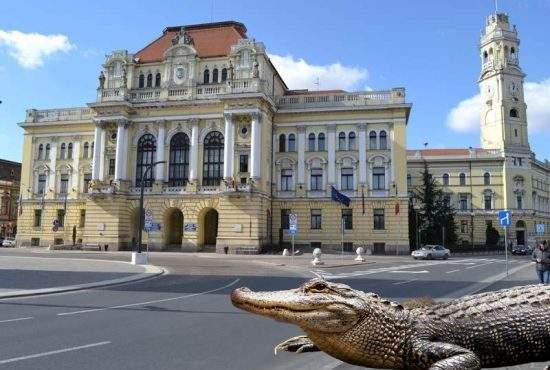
(209,39)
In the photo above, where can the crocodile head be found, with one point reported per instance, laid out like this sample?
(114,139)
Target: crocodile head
(317,305)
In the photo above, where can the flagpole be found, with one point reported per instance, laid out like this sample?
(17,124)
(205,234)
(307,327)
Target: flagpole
(342,244)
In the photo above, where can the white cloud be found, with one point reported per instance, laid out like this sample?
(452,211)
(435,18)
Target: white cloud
(30,49)
(299,74)
(464,117)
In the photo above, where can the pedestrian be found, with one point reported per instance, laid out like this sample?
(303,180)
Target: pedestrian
(541,256)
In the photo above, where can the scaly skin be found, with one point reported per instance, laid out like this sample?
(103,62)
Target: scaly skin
(502,328)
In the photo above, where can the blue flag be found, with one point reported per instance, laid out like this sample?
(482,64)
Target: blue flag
(339,197)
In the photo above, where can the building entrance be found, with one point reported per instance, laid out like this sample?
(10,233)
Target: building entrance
(173,233)
(208,228)
(520,232)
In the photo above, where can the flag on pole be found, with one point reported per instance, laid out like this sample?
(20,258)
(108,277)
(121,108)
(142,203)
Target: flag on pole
(339,197)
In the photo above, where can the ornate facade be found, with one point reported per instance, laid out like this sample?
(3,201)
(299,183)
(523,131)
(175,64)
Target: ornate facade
(10,173)
(238,152)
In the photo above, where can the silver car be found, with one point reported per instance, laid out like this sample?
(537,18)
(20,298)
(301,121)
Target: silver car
(431,251)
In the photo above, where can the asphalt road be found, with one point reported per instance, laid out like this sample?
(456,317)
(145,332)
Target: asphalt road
(184,320)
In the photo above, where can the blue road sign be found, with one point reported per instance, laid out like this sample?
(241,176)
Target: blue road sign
(291,231)
(292,224)
(504,218)
(540,229)
(152,227)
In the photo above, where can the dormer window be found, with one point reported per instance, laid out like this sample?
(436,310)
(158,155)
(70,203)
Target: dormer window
(224,74)
(157,79)
(206,76)
(141,83)
(150,80)
(215,76)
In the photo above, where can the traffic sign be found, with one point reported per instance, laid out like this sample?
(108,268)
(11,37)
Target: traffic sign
(152,227)
(292,224)
(147,219)
(540,229)
(504,218)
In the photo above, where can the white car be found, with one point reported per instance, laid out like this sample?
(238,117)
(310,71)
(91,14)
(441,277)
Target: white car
(431,251)
(9,242)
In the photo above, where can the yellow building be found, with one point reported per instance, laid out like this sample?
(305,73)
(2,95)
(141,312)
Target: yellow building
(239,152)
(503,173)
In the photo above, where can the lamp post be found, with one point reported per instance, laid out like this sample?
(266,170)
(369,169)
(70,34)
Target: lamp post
(141,213)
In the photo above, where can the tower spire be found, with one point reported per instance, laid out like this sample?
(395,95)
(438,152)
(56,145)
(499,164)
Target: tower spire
(496,6)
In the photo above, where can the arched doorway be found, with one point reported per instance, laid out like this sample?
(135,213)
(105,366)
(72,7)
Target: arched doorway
(520,232)
(173,229)
(208,227)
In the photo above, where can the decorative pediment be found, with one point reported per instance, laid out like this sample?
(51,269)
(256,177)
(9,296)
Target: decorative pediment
(285,162)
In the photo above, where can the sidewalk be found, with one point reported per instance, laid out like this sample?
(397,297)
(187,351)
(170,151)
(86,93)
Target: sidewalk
(25,276)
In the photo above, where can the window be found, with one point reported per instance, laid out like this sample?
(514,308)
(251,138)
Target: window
(41,183)
(341,141)
(487,178)
(87,179)
(515,132)
(314,245)
(446,179)
(5,206)
(178,167)
(464,227)
(141,81)
(70,151)
(243,163)
(35,242)
(379,219)
(311,142)
(61,217)
(351,141)
(85,150)
(316,180)
(291,143)
(286,180)
(514,113)
(520,161)
(213,158)
(157,79)
(284,218)
(62,151)
(146,149)
(40,151)
(224,74)
(47,155)
(64,184)
(447,199)
(346,182)
(150,80)
(520,201)
(321,142)
(487,201)
(463,202)
(378,178)
(347,219)
(462,179)
(37,217)
(206,76)
(409,180)
(315,219)
(82,220)
(215,75)
(282,143)
(372,140)
(383,140)
(111,166)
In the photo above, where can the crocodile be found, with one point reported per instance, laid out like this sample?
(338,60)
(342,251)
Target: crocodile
(494,329)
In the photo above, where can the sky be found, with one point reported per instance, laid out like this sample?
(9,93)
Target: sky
(51,54)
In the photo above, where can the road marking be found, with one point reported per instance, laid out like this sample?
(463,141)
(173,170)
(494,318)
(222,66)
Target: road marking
(450,272)
(19,319)
(43,354)
(410,272)
(149,302)
(483,264)
(404,282)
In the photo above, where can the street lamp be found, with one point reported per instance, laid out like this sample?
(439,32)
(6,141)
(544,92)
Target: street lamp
(141,213)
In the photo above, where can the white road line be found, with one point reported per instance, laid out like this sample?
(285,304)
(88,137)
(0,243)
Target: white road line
(483,264)
(318,274)
(19,319)
(404,282)
(450,272)
(149,302)
(409,272)
(43,354)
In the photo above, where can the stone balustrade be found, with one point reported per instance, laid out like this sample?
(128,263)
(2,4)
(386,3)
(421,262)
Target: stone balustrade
(342,99)
(54,115)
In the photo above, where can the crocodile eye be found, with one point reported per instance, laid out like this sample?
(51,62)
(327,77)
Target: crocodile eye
(318,287)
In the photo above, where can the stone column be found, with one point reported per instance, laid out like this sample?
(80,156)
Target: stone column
(301,154)
(121,149)
(97,151)
(102,142)
(256,146)
(392,154)
(76,164)
(228,149)
(331,154)
(362,154)
(53,161)
(194,155)
(159,169)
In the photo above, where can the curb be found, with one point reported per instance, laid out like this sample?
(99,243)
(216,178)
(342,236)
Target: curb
(150,271)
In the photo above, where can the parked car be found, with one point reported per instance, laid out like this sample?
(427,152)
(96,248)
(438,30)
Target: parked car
(8,242)
(431,251)
(520,249)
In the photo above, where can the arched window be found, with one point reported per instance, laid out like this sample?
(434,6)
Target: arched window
(215,75)
(514,113)
(179,160)
(487,178)
(224,74)
(513,50)
(150,80)
(291,143)
(212,159)
(409,180)
(157,79)
(141,81)
(485,56)
(341,141)
(62,151)
(462,179)
(40,151)
(70,151)
(372,140)
(311,142)
(206,76)
(47,156)
(446,179)
(351,141)
(146,148)
(383,140)
(321,142)
(282,143)
(85,150)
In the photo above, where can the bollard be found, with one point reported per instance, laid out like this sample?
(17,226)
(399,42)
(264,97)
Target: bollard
(285,252)
(317,257)
(360,252)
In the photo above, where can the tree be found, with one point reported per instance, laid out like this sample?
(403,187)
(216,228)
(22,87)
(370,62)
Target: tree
(436,216)
(492,236)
